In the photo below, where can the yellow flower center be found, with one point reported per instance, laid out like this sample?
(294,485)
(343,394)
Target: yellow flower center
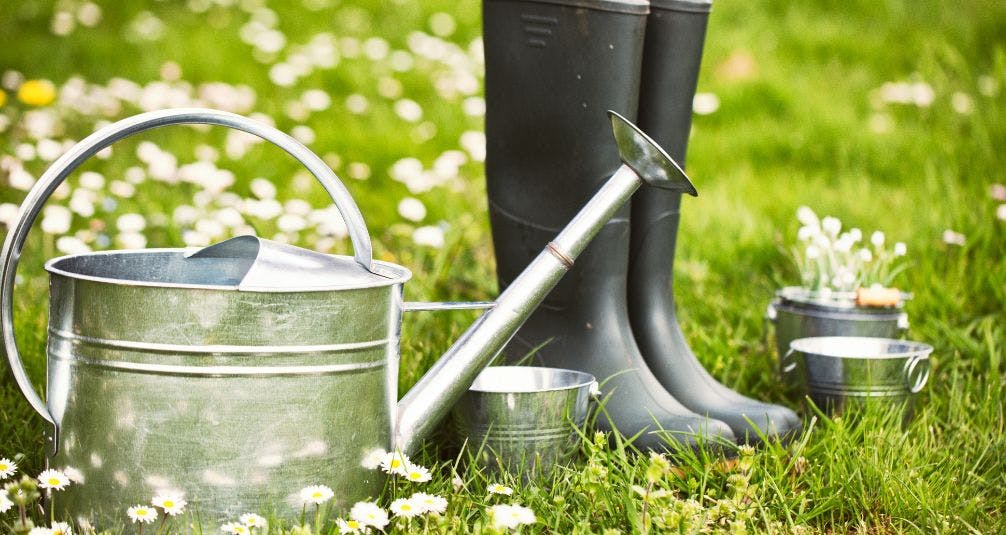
(406,507)
(53,481)
(3,467)
(395,463)
(141,512)
(353,524)
(168,504)
(316,495)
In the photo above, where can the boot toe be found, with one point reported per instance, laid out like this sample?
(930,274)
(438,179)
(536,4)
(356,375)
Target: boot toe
(672,432)
(755,422)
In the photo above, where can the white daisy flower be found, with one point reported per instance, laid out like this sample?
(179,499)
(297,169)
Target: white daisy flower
(951,237)
(831,225)
(877,239)
(316,494)
(416,473)
(171,504)
(395,463)
(53,479)
(369,514)
(900,249)
(7,468)
(141,514)
(429,235)
(5,503)
(75,475)
(430,503)
(511,516)
(39,530)
(252,520)
(856,235)
(705,103)
(235,528)
(412,209)
(865,255)
(812,252)
(350,526)
(372,460)
(61,528)
(499,488)
(405,507)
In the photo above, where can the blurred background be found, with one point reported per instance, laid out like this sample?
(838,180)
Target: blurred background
(887,114)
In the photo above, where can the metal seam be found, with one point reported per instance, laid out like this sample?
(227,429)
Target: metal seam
(561,255)
(214,349)
(217,371)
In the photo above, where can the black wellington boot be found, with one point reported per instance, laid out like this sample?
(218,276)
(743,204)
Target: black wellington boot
(552,69)
(673,51)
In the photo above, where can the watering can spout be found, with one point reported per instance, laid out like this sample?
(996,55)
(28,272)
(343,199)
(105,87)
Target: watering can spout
(434,395)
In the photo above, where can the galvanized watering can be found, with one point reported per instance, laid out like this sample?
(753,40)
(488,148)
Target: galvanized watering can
(241,372)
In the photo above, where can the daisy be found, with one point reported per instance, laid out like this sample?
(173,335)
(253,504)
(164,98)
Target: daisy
(7,468)
(172,505)
(369,514)
(141,514)
(405,507)
(316,494)
(430,503)
(416,473)
(497,488)
(394,463)
(350,526)
(53,479)
(372,460)
(61,528)
(5,503)
(235,528)
(40,531)
(252,520)
(511,516)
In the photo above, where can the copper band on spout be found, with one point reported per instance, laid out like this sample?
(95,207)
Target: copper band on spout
(566,261)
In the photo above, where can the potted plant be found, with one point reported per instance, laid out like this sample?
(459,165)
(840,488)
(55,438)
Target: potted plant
(845,285)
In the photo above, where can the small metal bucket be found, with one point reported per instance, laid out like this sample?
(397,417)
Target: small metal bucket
(847,369)
(523,419)
(796,313)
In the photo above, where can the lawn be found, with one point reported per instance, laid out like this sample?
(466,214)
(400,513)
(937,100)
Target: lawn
(888,115)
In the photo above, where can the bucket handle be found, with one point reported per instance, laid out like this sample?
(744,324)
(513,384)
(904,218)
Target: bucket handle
(73,158)
(789,361)
(916,377)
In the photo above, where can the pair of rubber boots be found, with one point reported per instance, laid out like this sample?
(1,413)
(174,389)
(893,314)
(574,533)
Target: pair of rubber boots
(552,69)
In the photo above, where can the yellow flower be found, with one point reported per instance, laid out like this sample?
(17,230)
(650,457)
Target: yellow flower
(3,98)
(37,92)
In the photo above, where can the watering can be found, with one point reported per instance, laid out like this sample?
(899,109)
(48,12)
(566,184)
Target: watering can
(237,374)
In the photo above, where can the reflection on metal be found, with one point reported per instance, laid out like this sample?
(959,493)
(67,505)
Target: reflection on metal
(241,372)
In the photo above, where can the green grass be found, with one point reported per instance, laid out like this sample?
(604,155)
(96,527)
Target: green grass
(800,129)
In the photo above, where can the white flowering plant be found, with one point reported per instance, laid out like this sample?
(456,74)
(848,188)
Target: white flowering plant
(835,263)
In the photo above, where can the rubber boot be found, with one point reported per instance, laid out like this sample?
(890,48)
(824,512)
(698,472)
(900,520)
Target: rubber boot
(673,51)
(552,70)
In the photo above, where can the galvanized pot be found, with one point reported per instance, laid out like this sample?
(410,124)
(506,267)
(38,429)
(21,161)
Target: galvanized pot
(840,370)
(241,372)
(798,313)
(522,418)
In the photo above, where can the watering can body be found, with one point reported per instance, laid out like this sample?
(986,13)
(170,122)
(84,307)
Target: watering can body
(237,374)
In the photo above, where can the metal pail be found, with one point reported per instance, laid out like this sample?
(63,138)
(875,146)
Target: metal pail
(844,369)
(797,314)
(523,419)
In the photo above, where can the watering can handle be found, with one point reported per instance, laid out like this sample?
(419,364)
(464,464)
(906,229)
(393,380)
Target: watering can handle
(68,162)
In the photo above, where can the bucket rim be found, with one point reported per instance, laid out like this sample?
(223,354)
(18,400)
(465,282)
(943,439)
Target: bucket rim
(843,301)
(394,273)
(838,347)
(579,380)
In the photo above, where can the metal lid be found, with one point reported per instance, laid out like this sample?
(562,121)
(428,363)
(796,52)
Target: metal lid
(244,263)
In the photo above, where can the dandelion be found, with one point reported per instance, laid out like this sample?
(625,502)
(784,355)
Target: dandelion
(235,528)
(7,466)
(53,479)
(511,516)
(395,463)
(61,528)
(430,503)
(499,488)
(141,514)
(252,520)
(316,494)
(369,514)
(416,473)
(349,526)
(37,92)
(405,507)
(3,98)
(171,504)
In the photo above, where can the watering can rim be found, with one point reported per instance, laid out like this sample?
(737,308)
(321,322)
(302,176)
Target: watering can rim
(392,274)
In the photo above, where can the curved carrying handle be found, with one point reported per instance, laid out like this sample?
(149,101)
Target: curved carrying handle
(68,162)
